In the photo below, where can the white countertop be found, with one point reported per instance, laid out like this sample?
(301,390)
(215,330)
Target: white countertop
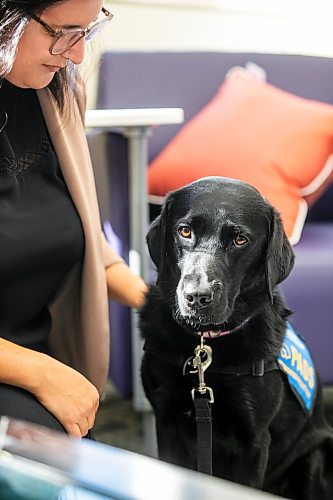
(145,117)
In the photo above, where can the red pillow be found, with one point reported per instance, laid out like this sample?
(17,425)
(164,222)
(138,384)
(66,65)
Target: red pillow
(252,131)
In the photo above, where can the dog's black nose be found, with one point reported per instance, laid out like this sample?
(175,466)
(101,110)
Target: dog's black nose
(199,298)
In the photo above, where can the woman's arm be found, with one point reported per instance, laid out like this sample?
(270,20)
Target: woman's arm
(124,286)
(67,394)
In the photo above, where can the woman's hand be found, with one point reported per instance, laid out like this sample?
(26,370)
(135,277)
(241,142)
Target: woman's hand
(64,392)
(68,395)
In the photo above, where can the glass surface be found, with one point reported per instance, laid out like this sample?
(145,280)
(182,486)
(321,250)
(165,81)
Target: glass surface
(40,464)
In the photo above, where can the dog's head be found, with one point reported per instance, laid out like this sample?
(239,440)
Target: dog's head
(218,244)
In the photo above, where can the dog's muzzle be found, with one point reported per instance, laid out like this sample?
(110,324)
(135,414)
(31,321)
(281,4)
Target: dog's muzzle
(201,296)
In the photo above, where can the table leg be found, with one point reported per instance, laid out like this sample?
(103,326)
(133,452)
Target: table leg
(139,263)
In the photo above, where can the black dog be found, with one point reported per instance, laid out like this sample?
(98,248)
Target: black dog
(220,250)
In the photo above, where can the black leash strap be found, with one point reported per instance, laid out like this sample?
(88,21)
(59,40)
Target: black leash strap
(203,417)
(202,397)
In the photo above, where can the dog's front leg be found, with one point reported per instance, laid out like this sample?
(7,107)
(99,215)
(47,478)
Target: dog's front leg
(244,462)
(176,430)
(175,445)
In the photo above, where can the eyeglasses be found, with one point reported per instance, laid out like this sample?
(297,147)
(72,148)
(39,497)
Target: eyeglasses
(65,39)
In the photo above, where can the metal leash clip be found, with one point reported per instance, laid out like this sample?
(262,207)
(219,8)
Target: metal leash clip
(201,361)
(191,364)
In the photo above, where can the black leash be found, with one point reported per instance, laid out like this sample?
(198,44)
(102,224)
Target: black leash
(203,397)
(203,417)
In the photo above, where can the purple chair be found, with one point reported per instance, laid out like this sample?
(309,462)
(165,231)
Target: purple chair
(189,80)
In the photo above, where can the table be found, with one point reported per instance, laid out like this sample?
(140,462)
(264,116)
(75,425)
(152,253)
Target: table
(136,125)
(48,464)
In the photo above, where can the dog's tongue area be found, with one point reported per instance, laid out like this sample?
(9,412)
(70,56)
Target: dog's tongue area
(211,334)
(214,331)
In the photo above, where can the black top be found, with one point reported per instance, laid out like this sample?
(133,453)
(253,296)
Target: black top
(41,235)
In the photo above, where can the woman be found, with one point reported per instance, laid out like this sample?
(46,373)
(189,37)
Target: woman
(55,266)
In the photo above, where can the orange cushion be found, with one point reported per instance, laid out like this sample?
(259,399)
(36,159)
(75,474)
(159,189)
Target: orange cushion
(253,131)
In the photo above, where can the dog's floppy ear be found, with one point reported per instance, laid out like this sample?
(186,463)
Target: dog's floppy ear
(279,257)
(156,239)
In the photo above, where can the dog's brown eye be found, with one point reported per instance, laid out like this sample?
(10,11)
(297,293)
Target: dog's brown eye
(240,240)
(185,231)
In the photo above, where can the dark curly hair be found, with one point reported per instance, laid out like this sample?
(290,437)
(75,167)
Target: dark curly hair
(14,16)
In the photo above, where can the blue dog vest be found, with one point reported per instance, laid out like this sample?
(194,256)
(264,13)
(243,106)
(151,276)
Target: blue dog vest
(296,362)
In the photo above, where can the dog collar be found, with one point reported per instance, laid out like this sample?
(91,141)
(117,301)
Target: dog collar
(211,334)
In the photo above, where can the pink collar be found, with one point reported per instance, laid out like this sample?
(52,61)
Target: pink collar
(212,334)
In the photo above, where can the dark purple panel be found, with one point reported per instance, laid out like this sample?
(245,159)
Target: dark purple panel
(309,292)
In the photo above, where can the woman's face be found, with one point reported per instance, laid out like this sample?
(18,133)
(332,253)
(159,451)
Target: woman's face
(34,66)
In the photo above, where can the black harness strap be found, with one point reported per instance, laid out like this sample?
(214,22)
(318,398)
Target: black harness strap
(258,368)
(203,417)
